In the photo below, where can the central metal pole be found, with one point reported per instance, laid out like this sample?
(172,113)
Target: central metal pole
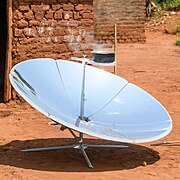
(82,92)
(82,148)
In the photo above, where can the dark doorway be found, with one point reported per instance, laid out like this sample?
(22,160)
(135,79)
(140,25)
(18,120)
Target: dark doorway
(3,43)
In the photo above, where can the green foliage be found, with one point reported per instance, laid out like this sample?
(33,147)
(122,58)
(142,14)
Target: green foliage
(157,8)
(168,4)
(177,43)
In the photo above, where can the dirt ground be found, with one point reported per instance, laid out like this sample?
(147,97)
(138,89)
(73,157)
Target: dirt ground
(155,67)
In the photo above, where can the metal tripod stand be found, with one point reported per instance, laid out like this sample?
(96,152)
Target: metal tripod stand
(80,146)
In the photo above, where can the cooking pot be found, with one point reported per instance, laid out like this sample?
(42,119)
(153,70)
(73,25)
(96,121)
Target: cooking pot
(103,56)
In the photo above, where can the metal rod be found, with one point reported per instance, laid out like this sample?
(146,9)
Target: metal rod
(81,136)
(74,135)
(106,146)
(165,143)
(82,92)
(86,157)
(48,148)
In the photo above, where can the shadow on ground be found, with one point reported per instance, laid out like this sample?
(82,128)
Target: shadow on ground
(70,160)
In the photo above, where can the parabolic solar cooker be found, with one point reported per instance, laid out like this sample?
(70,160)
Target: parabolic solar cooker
(90,101)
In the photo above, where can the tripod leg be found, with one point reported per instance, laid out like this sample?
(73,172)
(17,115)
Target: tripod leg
(47,149)
(106,146)
(86,157)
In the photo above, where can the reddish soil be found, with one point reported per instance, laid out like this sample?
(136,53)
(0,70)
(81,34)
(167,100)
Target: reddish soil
(155,67)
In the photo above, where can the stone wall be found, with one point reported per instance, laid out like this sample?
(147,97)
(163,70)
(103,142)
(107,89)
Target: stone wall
(63,28)
(129,15)
(57,29)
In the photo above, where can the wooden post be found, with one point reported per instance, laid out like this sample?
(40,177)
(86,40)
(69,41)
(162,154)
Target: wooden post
(8,63)
(115,47)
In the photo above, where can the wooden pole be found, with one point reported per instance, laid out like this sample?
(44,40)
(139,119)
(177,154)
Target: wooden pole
(115,47)
(8,63)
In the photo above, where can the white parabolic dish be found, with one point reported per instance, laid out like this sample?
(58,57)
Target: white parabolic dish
(114,108)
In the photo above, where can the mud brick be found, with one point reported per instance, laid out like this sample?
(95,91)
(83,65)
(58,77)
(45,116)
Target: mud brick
(39,15)
(24,8)
(30,32)
(67,15)
(78,54)
(49,15)
(60,31)
(79,7)
(88,7)
(68,7)
(76,15)
(18,33)
(17,15)
(89,2)
(59,48)
(37,8)
(29,15)
(58,15)
(56,7)
(88,15)
(22,23)
(34,23)
(87,22)
(63,1)
(74,1)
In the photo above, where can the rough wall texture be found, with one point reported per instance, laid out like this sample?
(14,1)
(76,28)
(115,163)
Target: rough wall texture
(129,15)
(63,28)
(52,28)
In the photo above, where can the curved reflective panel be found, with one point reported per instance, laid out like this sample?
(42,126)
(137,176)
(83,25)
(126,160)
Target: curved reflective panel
(48,94)
(100,86)
(113,108)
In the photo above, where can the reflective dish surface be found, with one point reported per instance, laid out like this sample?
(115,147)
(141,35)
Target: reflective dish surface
(114,108)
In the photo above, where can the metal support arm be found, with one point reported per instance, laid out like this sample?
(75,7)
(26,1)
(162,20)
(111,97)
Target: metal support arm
(79,146)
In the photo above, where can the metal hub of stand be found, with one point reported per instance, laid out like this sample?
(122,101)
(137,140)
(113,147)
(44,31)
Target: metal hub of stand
(80,146)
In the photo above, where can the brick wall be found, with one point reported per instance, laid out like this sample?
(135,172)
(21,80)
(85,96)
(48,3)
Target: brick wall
(61,29)
(129,15)
(52,28)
